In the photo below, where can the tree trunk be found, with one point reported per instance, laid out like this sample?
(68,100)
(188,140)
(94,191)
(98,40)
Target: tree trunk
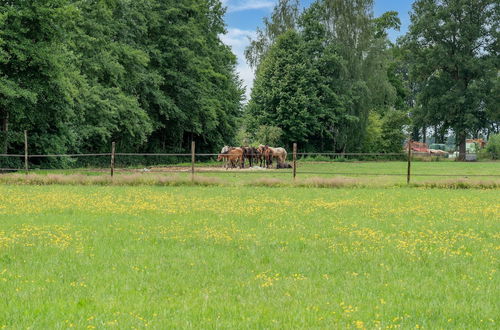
(164,140)
(415,134)
(322,148)
(461,136)
(442,134)
(424,134)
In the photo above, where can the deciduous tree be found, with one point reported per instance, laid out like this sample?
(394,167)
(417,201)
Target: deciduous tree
(453,53)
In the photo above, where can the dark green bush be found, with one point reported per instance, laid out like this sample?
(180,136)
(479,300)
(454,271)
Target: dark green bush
(493,146)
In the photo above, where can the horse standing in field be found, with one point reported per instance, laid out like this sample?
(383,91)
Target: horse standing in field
(251,154)
(267,155)
(256,155)
(224,150)
(280,155)
(232,157)
(261,150)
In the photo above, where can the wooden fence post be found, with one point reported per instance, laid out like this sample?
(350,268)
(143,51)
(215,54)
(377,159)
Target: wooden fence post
(112,159)
(26,151)
(192,160)
(408,175)
(294,160)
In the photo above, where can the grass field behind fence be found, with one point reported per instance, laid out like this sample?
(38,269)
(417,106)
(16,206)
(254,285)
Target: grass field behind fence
(248,257)
(367,173)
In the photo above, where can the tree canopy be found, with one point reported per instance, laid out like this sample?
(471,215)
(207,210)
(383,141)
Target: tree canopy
(323,76)
(452,52)
(151,75)
(332,80)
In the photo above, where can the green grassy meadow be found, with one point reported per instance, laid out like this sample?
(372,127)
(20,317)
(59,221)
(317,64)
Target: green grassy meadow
(248,257)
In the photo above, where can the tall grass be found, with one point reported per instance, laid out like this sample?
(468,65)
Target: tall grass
(105,180)
(177,180)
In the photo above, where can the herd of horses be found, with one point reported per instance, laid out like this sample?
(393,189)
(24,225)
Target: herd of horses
(263,155)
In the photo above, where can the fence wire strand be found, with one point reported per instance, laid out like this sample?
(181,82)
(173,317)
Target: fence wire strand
(68,155)
(350,154)
(203,169)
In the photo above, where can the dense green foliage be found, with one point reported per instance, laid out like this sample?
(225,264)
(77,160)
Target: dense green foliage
(332,80)
(151,75)
(283,18)
(327,80)
(493,147)
(38,83)
(452,52)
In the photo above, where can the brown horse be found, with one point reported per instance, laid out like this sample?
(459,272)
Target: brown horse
(224,150)
(267,155)
(234,157)
(261,149)
(257,155)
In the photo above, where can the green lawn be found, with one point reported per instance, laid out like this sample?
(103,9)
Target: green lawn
(248,257)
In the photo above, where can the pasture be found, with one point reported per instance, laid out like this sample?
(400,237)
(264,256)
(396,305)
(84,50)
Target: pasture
(368,173)
(248,257)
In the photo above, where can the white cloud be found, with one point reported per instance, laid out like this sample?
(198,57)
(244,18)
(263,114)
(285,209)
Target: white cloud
(238,40)
(247,75)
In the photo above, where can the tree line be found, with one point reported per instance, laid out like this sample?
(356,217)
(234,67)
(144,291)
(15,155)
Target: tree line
(329,77)
(153,75)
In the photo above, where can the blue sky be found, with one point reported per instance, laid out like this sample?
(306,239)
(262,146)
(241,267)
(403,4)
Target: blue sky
(244,16)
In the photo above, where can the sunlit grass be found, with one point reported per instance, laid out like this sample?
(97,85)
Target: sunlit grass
(248,257)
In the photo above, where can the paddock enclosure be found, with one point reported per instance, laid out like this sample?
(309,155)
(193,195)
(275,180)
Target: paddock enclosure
(380,168)
(178,241)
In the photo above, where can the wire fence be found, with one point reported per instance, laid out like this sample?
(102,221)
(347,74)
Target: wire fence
(206,163)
